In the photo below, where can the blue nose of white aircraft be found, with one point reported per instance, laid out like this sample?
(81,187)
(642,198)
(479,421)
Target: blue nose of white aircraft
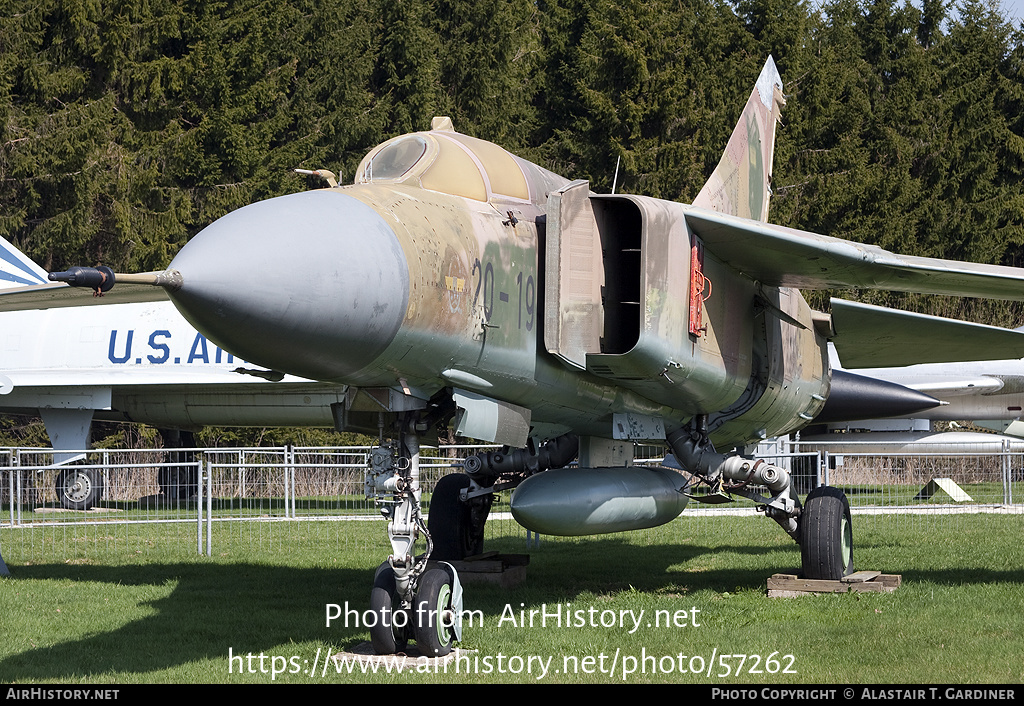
(314,284)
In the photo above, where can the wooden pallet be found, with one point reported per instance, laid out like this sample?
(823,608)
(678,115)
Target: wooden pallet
(506,570)
(792,586)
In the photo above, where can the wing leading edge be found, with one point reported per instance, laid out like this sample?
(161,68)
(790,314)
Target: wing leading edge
(786,257)
(57,294)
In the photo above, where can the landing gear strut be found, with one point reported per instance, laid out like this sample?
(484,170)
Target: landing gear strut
(821,527)
(411,596)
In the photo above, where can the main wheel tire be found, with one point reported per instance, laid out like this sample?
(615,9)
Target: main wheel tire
(388,635)
(826,535)
(433,617)
(456,528)
(79,489)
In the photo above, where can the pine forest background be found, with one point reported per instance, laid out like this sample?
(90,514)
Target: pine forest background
(127,126)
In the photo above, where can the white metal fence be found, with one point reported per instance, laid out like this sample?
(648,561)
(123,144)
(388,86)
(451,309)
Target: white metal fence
(59,510)
(888,477)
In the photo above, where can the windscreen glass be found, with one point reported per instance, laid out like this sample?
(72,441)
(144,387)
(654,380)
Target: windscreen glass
(396,159)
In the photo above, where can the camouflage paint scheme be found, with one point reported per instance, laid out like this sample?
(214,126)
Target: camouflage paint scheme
(453,268)
(473,223)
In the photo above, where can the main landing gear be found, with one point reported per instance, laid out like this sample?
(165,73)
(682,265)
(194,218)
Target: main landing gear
(79,488)
(413,597)
(826,535)
(457,526)
(821,527)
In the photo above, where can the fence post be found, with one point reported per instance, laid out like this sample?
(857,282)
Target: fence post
(1007,474)
(286,468)
(4,571)
(16,462)
(241,474)
(105,472)
(199,509)
(290,450)
(209,508)
(532,540)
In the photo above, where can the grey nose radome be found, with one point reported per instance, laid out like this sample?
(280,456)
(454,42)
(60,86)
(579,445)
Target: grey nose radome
(314,284)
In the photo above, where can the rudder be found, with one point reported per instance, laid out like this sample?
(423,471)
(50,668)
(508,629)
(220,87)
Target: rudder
(741,183)
(16,269)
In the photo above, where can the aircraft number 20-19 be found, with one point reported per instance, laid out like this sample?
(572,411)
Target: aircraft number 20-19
(526,293)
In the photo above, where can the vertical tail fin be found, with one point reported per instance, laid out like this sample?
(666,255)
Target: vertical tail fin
(741,183)
(16,269)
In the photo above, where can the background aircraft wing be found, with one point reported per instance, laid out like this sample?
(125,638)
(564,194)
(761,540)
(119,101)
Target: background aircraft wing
(786,257)
(958,387)
(868,336)
(57,294)
(24,285)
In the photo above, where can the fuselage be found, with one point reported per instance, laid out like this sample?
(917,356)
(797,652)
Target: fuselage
(433,271)
(143,362)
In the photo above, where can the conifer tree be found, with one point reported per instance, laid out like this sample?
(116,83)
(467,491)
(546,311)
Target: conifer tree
(407,78)
(488,66)
(975,181)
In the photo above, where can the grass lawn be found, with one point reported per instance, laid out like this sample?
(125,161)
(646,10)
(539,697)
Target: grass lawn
(149,610)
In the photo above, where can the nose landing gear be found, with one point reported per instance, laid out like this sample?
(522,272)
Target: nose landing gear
(412,597)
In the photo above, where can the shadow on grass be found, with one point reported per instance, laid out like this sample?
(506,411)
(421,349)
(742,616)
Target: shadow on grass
(212,608)
(248,608)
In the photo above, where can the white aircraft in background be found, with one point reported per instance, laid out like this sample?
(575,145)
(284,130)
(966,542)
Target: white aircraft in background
(986,393)
(131,362)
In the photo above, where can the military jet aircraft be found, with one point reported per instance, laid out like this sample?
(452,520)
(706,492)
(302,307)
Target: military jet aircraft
(454,282)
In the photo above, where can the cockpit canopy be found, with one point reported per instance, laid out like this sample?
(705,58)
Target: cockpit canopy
(449,162)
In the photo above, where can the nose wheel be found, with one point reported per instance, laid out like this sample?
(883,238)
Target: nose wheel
(433,618)
(386,635)
(438,611)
